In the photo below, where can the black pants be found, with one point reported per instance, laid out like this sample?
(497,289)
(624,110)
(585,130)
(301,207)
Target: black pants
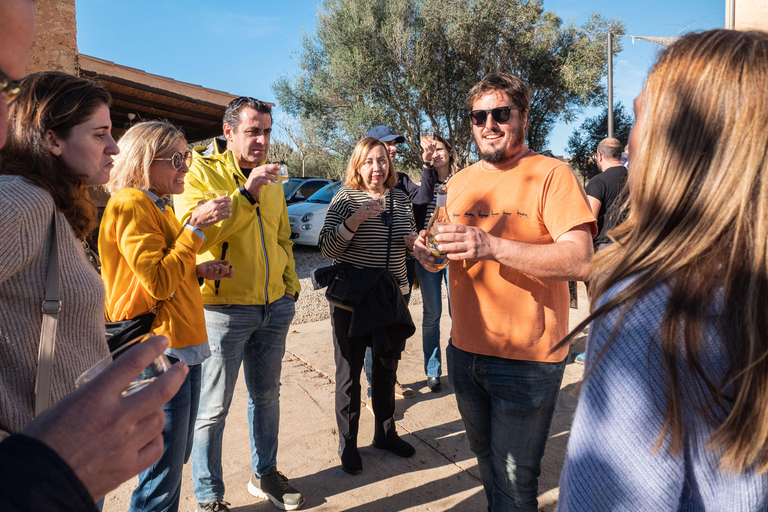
(349,354)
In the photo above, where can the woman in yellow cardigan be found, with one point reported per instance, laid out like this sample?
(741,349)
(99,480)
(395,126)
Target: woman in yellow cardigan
(149,259)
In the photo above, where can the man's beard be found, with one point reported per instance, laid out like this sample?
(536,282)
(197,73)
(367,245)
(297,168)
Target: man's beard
(499,155)
(494,157)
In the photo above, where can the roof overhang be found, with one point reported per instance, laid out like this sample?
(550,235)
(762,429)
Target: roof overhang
(193,108)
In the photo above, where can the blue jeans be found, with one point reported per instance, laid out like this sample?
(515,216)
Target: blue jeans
(431,284)
(159,486)
(507,407)
(254,336)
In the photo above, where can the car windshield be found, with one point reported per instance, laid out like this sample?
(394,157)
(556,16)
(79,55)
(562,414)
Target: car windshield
(325,194)
(291,185)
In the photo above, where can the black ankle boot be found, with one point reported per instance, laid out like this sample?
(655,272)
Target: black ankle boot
(350,458)
(387,439)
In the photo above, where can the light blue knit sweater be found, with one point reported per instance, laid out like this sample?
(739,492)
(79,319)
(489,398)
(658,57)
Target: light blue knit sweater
(609,464)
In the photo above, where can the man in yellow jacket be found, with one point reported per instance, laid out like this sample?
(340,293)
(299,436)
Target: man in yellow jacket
(247,317)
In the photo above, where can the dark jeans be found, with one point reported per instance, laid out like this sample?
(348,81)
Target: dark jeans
(507,408)
(349,353)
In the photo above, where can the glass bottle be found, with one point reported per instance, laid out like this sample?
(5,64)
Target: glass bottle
(439,218)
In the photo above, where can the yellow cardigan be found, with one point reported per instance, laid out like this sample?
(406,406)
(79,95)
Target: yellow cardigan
(146,254)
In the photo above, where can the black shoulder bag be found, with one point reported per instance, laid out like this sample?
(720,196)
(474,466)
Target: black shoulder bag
(350,284)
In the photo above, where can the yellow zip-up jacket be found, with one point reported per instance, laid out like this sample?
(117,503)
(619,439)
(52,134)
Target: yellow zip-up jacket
(256,236)
(146,255)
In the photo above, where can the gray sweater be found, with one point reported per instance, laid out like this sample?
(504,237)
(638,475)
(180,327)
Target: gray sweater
(609,464)
(26,213)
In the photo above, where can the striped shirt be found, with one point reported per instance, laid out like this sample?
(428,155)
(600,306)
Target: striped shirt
(367,247)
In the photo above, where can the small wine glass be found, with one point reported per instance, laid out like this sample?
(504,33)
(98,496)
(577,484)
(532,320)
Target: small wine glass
(213,194)
(160,365)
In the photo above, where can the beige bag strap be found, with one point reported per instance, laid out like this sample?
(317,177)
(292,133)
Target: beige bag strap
(51,308)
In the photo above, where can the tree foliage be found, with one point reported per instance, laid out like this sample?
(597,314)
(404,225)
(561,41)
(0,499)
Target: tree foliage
(409,63)
(583,142)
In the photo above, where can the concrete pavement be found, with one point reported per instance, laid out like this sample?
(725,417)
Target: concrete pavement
(443,474)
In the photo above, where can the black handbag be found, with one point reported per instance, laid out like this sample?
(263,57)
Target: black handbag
(120,333)
(350,284)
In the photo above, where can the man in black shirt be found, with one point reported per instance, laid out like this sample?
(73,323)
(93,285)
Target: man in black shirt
(604,189)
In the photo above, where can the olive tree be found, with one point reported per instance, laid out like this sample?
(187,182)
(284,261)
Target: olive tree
(583,142)
(409,63)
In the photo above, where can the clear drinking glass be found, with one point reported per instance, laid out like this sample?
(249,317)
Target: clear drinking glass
(160,365)
(213,194)
(428,134)
(283,175)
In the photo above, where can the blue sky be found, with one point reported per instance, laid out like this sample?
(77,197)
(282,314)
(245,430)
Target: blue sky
(242,46)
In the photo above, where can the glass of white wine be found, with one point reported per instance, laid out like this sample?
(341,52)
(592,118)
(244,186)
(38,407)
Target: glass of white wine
(213,194)
(160,365)
(283,177)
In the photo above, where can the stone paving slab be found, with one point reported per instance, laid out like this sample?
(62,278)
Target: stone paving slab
(443,474)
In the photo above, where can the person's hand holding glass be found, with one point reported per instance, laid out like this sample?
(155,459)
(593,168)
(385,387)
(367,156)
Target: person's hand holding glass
(216,207)
(156,368)
(427,145)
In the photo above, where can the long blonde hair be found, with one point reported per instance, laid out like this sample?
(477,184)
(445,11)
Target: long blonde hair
(138,147)
(698,222)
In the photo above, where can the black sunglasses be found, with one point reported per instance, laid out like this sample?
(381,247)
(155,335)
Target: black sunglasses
(178,159)
(499,114)
(11,88)
(386,218)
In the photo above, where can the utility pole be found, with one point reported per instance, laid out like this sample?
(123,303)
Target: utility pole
(610,84)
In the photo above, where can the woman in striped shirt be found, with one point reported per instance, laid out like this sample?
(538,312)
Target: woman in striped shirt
(356,231)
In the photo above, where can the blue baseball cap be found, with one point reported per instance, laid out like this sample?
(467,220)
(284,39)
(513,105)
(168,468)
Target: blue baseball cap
(384,134)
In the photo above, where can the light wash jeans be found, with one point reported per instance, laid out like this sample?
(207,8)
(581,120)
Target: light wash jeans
(507,407)
(255,336)
(431,284)
(159,486)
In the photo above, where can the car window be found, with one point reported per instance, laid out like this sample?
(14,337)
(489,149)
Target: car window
(325,194)
(310,187)
(290,185)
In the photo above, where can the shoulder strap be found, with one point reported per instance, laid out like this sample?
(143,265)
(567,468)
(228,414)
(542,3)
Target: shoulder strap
(389,235)
(51,307)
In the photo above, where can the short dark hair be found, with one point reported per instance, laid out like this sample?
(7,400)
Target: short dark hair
(610,148)
(517,90)
(232,114)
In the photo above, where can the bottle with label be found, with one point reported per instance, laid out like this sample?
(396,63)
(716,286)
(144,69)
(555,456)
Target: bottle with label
(440,217)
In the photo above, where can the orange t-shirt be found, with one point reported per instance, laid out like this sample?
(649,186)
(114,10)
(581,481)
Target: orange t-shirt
(497,310)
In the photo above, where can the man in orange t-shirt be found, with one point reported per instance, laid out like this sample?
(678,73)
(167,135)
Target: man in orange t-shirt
(522,229)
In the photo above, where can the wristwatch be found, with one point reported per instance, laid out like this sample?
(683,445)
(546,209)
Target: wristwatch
(428,163)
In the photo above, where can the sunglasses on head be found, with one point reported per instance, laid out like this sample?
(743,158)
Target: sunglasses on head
(178,159)
(499,114)
(11,88)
